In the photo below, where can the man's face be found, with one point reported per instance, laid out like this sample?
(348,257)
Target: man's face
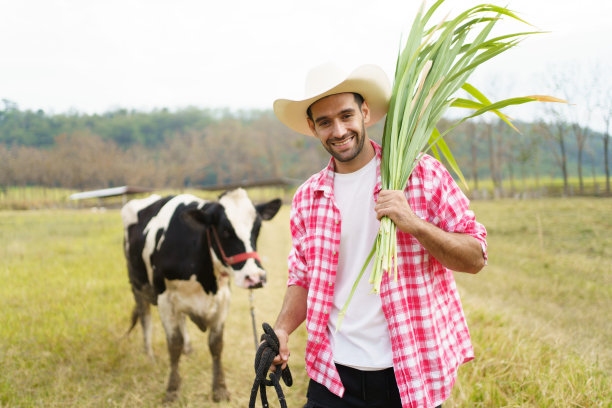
(339,124)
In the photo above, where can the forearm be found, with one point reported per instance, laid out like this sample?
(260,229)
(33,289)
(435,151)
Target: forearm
(293,311)
(292,314)
(456,251)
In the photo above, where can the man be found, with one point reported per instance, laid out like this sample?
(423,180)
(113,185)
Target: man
(401,347)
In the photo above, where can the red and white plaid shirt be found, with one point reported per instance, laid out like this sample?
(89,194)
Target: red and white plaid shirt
(429,334)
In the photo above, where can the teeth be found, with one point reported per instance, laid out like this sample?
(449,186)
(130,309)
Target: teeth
(343,142)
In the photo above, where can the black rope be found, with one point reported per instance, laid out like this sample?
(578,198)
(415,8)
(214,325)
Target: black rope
(267,351)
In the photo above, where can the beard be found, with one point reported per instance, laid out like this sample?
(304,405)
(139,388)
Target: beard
(347,156)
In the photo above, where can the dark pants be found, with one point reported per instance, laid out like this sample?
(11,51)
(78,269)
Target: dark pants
(363,389)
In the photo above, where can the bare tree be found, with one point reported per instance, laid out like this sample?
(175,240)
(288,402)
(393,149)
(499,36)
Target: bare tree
(184,158)
(526,152)
(572,84)
(606,141)
(604,108)
(555,133)
(494,145)
(83,160)
(139,167)
(472,136)
(493,129)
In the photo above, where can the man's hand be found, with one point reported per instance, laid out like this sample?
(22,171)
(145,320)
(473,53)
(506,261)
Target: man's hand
(457,251)
(393,204)
(283,355)
(292,314)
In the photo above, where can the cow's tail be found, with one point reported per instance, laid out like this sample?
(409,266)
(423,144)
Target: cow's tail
(135,316)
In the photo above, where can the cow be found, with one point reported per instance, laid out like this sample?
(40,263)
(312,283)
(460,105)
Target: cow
(181,253)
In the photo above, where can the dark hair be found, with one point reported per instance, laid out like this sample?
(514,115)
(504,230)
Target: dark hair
(358,101)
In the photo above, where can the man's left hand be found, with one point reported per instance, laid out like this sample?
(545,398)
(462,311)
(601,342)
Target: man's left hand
(393,204)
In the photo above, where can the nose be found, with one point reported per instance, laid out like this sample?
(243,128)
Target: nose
(338,129)
(255,279)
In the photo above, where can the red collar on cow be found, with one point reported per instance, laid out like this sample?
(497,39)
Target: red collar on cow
(230,260)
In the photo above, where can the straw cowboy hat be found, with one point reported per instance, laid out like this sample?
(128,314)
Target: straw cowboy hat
(370,81)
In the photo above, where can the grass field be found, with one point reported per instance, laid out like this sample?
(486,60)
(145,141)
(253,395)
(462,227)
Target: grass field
(538,314)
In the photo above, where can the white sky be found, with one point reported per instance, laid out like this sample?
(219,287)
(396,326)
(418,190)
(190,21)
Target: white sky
(92,56)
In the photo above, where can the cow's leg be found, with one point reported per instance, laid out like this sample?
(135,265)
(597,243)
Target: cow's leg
(186,341)
(143,310)
(174,337)
(147,329)
(215,344)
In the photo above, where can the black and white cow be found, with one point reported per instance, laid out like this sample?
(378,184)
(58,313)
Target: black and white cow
(181,252)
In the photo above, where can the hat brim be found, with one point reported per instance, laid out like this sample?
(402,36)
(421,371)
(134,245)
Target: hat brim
(370,81)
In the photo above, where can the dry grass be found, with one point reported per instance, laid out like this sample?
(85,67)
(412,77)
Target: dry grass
(537,314)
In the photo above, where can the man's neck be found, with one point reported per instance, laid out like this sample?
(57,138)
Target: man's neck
(363,158)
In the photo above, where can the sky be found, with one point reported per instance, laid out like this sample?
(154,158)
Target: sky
(93,56)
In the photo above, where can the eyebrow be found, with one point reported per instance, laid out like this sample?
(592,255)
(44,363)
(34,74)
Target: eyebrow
(342,112)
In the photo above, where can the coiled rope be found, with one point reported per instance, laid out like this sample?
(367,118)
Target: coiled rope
(267,351)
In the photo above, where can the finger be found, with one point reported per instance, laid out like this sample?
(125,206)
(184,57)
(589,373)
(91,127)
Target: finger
(277,360)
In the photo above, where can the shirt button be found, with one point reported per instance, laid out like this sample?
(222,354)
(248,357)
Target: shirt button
(337,222)
(334,253)
(331,283)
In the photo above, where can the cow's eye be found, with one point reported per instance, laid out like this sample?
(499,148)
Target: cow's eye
(225,234)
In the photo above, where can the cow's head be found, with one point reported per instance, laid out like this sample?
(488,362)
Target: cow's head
(232,226)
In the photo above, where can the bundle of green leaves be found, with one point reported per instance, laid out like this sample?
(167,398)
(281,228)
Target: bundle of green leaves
(432,68)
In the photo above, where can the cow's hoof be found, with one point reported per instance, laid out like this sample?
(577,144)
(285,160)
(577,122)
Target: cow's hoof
(221,394)
(170,397)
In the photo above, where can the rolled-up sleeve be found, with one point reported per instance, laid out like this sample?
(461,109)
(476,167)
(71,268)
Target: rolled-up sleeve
(448,207)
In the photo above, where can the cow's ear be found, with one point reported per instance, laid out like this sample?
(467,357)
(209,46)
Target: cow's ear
(268,210)
(194,217)
(212,212)
(201,218)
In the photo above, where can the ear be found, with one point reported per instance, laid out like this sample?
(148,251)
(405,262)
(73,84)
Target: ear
(365,110)
(201,218)
(268,210)
(311,125)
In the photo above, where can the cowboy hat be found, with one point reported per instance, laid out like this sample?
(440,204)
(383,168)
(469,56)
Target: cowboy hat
(370,81)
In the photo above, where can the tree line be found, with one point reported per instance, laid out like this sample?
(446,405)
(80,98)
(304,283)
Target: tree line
(196,147)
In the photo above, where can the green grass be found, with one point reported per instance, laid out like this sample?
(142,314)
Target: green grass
(539,188)
(538,314)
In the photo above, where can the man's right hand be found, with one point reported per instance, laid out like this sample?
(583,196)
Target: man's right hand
(283,356)
(292,314)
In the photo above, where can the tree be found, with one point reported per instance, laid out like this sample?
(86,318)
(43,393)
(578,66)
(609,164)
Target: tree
(528,151)
(555,133)
(83,160)
(604,107)
(572,84)
(472,135)
(606,141)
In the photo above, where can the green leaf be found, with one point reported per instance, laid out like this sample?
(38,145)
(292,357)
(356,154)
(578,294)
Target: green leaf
(483,99)
(438,141)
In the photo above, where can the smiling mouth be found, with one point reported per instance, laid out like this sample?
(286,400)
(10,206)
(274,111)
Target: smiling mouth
(343,142)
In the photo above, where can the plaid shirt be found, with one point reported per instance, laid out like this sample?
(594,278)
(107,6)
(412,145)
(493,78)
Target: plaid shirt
(429,334)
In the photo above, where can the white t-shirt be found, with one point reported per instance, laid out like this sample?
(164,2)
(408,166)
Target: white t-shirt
(363,340)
